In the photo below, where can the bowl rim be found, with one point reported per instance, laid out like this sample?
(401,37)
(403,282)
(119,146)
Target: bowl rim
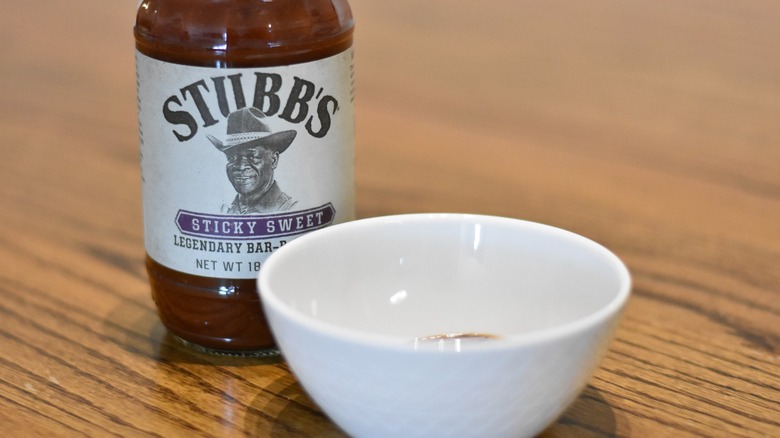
(604,314)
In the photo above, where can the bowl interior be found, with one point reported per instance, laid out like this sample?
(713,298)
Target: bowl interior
(420,275)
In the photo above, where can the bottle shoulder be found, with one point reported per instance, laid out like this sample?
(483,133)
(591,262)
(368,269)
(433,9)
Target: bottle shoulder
(236,33)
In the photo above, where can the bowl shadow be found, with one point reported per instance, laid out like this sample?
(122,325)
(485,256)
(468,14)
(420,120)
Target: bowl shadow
(294,413)
(589,416)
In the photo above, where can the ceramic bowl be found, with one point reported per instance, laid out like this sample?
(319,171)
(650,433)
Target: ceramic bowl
(443,324)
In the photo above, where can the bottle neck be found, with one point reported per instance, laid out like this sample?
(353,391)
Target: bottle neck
(243,33)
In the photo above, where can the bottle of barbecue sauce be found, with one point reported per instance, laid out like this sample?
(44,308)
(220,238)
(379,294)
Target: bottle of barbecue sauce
(247,141)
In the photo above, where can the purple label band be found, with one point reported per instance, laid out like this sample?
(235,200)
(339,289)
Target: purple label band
(218,226)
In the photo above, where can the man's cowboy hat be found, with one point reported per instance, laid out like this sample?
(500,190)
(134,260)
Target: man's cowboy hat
(246,128)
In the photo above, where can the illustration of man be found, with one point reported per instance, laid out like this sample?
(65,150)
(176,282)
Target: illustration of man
(252,152)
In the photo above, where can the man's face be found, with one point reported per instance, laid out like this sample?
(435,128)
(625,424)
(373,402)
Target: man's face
(251,170)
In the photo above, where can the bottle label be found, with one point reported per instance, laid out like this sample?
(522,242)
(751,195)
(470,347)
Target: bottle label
(237,162)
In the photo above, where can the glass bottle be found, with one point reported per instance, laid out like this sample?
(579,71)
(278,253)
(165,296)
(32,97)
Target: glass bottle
(246,121)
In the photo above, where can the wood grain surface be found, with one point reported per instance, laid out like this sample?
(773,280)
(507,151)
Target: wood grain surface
(650,127)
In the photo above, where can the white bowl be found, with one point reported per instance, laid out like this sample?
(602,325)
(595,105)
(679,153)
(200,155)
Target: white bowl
(443,324)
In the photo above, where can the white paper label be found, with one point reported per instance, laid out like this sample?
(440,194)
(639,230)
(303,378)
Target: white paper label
(237,162)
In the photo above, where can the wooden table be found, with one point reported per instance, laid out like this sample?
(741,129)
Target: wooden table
(651,127)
